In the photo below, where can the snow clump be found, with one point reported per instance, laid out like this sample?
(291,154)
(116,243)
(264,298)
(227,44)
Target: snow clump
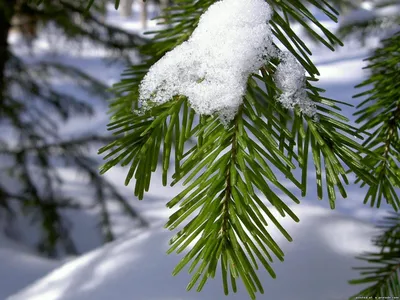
(290,79)
(232,40)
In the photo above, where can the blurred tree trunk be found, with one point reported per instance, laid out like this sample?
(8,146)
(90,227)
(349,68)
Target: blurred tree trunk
(126,8)
(143,15)
(164,4)
(6,13)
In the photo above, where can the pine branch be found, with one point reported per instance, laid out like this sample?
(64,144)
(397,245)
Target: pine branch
(100,32)
(381,20)
(328,138)
(230,169)
(140,145)
(69,19)
(229,206)
(378,26)
(72,144)
(384,271)
(380,117)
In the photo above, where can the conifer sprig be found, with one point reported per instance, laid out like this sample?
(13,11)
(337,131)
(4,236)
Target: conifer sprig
(379,115)
(231,169)
(380,20)
(383,272)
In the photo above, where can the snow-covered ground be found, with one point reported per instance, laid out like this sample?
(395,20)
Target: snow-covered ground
(317,264)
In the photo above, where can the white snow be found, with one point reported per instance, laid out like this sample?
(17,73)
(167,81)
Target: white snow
(232,40)
(20,266)
(317,265)
(290,79)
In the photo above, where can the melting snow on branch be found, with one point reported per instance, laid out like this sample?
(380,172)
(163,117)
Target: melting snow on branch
(232,40)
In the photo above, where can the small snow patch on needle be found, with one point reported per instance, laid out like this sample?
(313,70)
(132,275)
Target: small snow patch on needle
(290,79)
(232,40)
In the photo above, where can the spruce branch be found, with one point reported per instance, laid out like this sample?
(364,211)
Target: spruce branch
(379,115)
(222,216)
(69,19)
(231,212)
(384,271)
(140,145)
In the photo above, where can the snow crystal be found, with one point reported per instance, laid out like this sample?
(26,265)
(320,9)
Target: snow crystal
(232,40)
(290,79)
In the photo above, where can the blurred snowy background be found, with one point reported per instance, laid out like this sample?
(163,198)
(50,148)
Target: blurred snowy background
(135,266)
